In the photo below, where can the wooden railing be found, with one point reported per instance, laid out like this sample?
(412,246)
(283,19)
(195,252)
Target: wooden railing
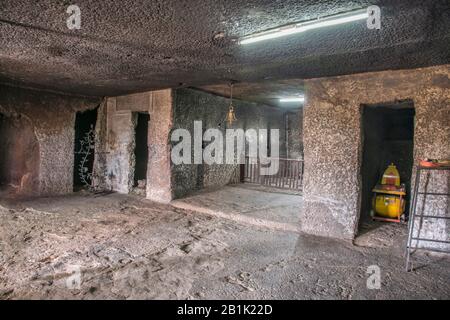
(288,176)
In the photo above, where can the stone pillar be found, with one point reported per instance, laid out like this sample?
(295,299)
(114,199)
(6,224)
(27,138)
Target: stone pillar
(333,145)
(159,175)
(432,140)
(331,173)
(119,167)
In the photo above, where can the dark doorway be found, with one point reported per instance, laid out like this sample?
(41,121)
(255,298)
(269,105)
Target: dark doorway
(84,152)
(141,150)
(388,133)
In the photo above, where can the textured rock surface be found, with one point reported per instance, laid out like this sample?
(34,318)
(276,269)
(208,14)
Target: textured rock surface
(170,110)
(19,155)
(192,105)
(248,203)
(294,138)
(333,144)
(118,163)
(114,164)
(159,177)
(52,117)
(129,46)
(129,248)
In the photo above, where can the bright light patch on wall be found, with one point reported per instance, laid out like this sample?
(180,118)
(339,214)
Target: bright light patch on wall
(305,26)
(293,99)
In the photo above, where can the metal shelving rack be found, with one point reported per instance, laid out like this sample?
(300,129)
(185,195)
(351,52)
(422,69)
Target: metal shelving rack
(413,216)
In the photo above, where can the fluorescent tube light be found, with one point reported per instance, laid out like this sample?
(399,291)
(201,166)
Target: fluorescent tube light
(305,26)
(293,99)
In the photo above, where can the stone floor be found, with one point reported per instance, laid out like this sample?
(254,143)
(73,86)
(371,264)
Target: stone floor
(250,204)
(115,246)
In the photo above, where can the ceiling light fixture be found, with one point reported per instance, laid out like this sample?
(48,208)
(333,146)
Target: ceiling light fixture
(305,26)
(293,99)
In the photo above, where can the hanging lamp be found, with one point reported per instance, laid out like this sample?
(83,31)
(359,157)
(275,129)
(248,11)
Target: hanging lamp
(231,116)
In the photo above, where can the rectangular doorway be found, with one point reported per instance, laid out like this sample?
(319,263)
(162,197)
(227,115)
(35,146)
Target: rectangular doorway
(84,149)
(141,151)
(388,137)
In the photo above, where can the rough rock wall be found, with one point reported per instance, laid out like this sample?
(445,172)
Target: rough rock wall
(114,163)
(100,177)
(333,143)
(117,150)
(53,118)
(294,134)
(169,110)
(193,105)
(19,155)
